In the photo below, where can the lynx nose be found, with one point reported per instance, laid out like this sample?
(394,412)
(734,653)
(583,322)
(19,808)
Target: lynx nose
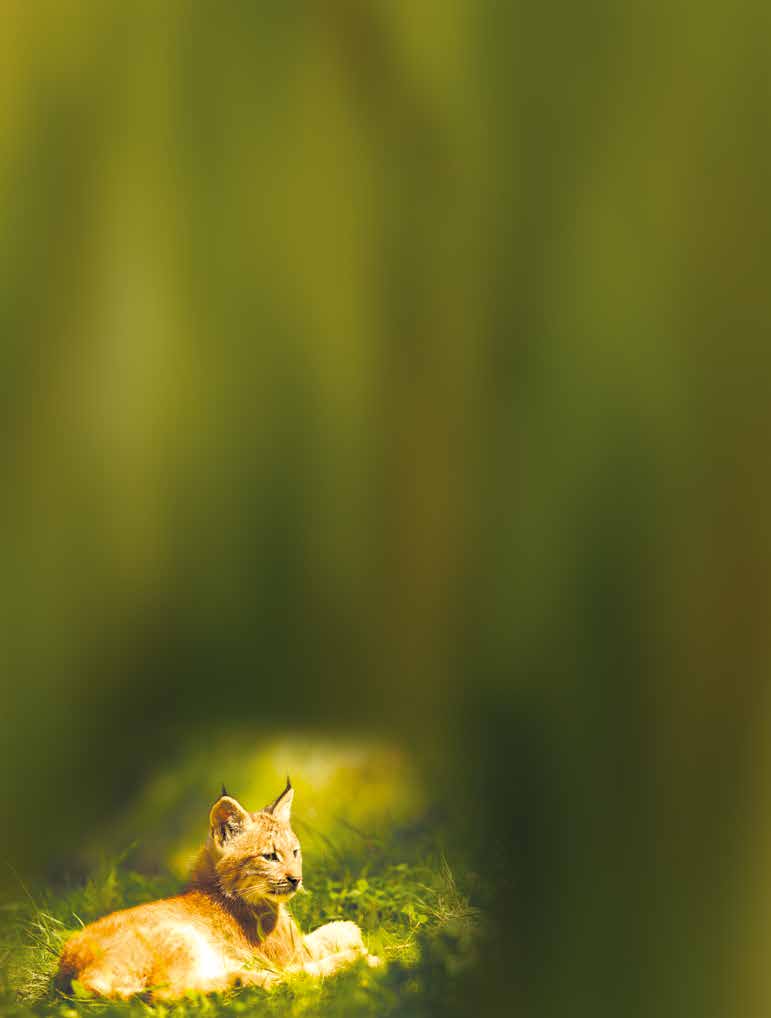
(294,881)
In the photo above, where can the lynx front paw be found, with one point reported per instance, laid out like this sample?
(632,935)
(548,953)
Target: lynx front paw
(347,936)
(341,935)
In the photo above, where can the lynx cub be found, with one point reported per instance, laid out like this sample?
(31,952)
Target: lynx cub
(230,928)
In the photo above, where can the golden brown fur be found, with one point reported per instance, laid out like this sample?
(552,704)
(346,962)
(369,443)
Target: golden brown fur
(230,928)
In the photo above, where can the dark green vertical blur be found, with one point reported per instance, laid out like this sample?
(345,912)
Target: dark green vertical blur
(404,367)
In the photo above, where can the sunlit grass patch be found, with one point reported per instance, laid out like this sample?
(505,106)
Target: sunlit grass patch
(348,794)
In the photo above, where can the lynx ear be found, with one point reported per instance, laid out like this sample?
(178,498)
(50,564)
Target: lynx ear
(227,818)
(282,807)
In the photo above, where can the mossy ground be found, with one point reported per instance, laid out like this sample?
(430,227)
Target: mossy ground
(378,849)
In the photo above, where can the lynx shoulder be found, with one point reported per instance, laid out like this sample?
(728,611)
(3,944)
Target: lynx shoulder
(230,928)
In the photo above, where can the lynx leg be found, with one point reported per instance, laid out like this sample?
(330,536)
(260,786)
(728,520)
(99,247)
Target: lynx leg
(334,946)
(334,937)
(261,977)
(229,980)
(101,982)
(331,963)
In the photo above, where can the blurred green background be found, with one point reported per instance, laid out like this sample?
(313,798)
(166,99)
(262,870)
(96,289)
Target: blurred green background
(400,370)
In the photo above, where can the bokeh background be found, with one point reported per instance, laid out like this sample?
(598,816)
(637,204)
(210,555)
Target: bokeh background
(400,370)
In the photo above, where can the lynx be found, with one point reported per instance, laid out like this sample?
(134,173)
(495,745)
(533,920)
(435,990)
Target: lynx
(230,927)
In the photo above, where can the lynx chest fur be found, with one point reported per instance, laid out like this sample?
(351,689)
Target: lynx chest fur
(230,928)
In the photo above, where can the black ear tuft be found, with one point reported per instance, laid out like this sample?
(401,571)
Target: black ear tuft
(224,790)
(281,807)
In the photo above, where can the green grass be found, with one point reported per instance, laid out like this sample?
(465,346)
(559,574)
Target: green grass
(416,902)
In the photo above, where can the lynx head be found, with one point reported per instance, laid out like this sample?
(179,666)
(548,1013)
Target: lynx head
(255,855)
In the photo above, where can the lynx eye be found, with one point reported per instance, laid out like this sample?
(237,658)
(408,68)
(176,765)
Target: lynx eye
(270,856)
